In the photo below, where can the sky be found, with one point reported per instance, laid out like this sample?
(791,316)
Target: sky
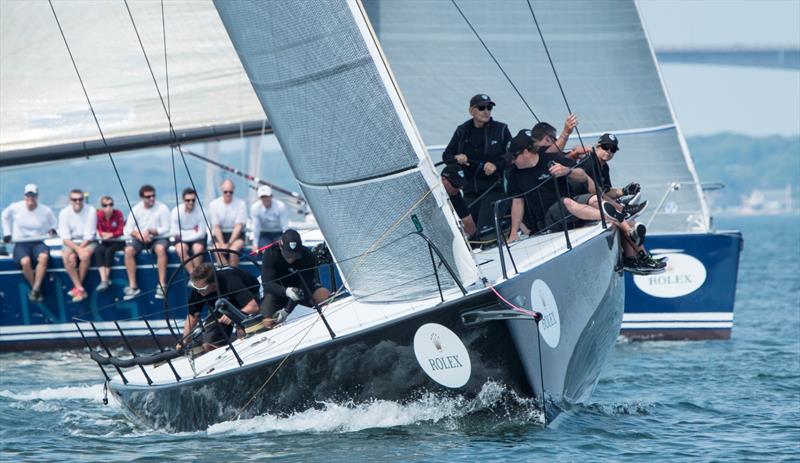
(713,99)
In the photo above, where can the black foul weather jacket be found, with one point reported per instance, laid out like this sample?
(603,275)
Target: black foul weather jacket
(481,145)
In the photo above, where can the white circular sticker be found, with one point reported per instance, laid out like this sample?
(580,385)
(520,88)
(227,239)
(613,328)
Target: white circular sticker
(442,355)
(685,274)
(542,301)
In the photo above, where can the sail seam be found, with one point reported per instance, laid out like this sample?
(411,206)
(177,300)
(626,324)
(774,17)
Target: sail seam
(386,175)
(314,76)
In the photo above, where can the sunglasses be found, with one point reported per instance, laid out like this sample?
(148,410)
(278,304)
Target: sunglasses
(31,195)
(76,200)
(610,148)
(484,107)
(189,200)
(199,288)
(151,196)
(227,192)
(108,205)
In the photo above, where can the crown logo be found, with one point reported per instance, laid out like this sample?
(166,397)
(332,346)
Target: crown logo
(436,342)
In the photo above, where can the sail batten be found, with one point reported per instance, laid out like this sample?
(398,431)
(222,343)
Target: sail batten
(320,76)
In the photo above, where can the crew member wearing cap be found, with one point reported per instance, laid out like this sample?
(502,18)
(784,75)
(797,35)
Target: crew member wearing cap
(453,181)
(289,277)
(636,258)
(27,223)
(478,146)
(603,152)
(543,207)
(233,284)
(188,230)
(270,218)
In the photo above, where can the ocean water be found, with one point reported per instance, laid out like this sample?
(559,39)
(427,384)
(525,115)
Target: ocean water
(736,400)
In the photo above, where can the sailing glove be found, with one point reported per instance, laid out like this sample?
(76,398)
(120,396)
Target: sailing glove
(294,294)
(7,239)
(280,316)
(631,189)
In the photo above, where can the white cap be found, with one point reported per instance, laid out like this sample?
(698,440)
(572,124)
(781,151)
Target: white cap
(31,188)
(264,190)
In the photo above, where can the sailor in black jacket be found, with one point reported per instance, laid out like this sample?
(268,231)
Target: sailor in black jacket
(479,145)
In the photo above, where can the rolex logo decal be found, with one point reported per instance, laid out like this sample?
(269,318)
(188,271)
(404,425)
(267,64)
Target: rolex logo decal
(442,355)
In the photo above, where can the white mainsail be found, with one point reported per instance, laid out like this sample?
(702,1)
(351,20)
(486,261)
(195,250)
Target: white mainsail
(605,64)
(43,106)
(334,106)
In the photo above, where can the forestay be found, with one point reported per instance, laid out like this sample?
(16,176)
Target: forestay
(42,101)
(351,143)
(603,59)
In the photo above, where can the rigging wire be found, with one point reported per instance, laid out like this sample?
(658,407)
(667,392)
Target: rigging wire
(172,130)
(553,67)
(486,47)
(102,135)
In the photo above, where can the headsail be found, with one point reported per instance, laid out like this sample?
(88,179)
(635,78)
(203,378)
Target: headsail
(604,61)
(43,108)
(334,106)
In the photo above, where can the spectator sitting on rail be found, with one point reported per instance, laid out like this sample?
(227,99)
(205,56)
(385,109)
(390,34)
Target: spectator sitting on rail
(110,228)
(270,218)
(77,225)
(188,229)
(228,217)
(27,223)
(148,228)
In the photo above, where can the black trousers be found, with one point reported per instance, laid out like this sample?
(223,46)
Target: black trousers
(104,252)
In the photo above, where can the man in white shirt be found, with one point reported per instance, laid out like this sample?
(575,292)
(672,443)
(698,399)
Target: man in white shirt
(148,228)
(28,223)
(188,230)
(77,225)
(270,218)
(228,217)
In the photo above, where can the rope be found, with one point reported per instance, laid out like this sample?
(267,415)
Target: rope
(535,315)
(485,47)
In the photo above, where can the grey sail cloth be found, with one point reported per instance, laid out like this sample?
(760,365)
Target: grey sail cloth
(43,104)
(350,142)
(605,64)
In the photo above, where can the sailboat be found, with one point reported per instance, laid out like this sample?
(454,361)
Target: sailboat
(423,312)
(607,69)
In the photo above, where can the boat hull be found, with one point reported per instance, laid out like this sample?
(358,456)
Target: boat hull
(446,350)
(694,299)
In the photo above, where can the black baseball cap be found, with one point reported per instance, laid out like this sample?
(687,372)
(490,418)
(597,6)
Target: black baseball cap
(521,141)
(608,139)
(291,244)
(481,98)
(455,174)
